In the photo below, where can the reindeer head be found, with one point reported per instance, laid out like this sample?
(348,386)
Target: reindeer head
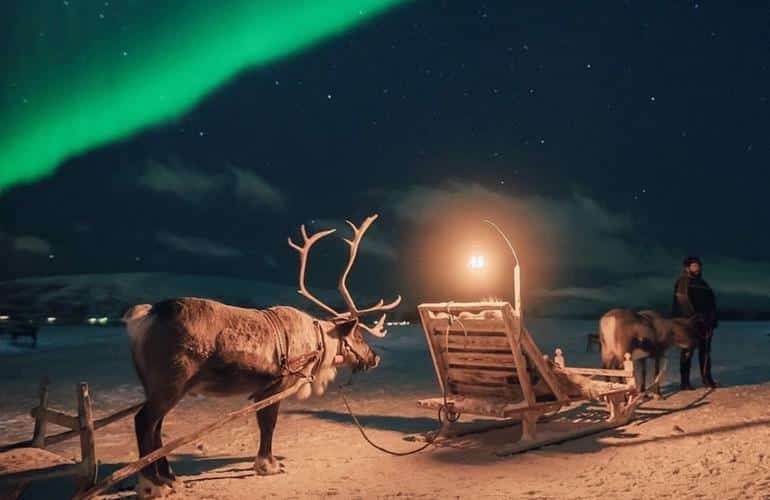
(346,328)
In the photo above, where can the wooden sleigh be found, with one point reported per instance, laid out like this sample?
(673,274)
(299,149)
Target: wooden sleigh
(488,364)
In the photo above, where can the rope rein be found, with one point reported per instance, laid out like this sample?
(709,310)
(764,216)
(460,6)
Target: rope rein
(443,410)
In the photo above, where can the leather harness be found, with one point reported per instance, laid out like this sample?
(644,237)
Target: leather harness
(294,366)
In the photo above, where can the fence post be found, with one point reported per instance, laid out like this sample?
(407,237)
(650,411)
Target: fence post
(89,466)
(41,419)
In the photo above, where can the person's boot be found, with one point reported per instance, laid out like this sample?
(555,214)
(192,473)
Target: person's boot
(704,360)
(709,382)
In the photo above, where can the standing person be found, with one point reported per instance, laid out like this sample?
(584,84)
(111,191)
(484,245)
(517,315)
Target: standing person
(693,297)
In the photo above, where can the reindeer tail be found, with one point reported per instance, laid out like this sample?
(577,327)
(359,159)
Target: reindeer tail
(134,320)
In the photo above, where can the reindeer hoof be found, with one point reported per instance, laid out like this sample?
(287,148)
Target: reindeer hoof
(268,466)
(147,488)
(170,481)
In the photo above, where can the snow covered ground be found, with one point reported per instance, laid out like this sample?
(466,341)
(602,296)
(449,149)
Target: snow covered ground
(100,356)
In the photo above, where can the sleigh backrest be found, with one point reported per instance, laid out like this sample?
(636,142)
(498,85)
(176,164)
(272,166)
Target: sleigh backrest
(473,348)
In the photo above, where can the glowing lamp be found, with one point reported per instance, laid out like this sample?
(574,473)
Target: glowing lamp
(477,262)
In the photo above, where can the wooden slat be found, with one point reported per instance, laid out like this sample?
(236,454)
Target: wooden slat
(490,406)
(456,307)
(492,360)
(471,376)
(596,372)
(55,417)
(469,325)
(462,343)
(481,390)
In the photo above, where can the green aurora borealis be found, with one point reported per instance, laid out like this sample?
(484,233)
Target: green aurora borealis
(80,74)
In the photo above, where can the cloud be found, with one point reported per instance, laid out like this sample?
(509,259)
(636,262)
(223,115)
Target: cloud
(27,243)
(196,246)
(370,244)
(573,227)
(176,179)
(193,185)
(253,189)
(575,252)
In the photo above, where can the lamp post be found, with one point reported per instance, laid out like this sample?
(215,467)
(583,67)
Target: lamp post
(516,270)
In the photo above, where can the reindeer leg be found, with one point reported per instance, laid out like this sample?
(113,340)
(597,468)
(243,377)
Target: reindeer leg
(657,374)
(644,374)
(164,469)
(150,484)
(266,464)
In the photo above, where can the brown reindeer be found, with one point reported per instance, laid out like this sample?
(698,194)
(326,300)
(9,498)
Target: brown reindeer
(645,334)
(191,345)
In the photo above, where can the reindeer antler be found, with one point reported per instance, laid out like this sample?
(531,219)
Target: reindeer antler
(377,330)
(353,312)
(358,234)
(303,252)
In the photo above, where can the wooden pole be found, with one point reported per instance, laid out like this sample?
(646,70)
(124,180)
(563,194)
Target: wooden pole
(536,356)
(136,466)
(89,466)
(513,331)
(41,419)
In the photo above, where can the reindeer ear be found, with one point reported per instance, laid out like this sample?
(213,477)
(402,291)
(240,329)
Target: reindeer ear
(346,327)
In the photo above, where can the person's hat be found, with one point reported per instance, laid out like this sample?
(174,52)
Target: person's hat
(690,259)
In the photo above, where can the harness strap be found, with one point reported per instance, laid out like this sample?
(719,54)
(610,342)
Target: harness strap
(293,366)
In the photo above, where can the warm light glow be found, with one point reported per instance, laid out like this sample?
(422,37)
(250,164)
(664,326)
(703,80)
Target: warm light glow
(477,262)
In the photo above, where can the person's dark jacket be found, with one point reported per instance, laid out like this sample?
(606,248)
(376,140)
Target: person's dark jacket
(693,296)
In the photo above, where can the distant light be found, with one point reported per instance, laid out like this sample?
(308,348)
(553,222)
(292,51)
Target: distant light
(91,321)
(477,262)
(51,319)
(4,317)
(103,320)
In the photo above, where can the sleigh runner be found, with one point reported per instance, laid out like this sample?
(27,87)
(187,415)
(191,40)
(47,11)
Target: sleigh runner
(488,364)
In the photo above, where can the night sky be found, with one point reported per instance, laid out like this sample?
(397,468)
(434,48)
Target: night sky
(608,139)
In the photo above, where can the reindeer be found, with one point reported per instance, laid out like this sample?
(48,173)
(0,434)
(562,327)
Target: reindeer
(192,345)
(645,334)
